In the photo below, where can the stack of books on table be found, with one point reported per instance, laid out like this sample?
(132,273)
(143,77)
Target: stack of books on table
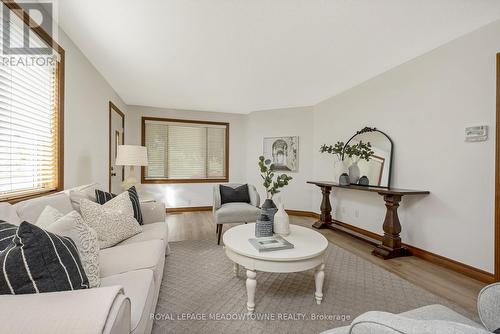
(269,244)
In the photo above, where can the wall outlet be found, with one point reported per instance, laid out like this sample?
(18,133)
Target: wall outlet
(356,213)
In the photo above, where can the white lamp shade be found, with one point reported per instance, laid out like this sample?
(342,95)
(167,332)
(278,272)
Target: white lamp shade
(131,155)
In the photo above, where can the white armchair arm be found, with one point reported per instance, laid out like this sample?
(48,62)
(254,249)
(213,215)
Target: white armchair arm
(90,311)
(153,212)
(254,195)
(217,201)
(488,306)
(388,323)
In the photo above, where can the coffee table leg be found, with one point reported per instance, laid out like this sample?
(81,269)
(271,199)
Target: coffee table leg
(236,269)
(319,278)
(251,285)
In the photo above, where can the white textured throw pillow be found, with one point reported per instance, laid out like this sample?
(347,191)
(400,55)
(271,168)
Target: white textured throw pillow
(113,221)
(48,216)
(73,226)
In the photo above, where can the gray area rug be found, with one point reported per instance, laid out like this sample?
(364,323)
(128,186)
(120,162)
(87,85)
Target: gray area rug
(200,294)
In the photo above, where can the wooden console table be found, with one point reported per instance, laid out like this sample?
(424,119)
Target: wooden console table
(391,242)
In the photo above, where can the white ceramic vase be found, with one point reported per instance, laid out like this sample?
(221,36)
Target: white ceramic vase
(354,172)
(281,221)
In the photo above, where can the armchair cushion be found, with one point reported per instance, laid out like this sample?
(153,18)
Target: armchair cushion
(236,213)
(388,323)
(234,195)
(488,306)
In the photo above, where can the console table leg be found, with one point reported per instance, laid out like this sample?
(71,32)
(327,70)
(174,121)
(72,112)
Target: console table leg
(326,209)
(319,278)
(391,243)
(251,286)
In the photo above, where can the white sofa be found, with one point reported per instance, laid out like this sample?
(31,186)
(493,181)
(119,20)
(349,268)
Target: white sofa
(131,275)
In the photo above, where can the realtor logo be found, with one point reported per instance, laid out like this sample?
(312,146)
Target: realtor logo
(41,14)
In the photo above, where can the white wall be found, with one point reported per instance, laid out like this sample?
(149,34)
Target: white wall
(424,105)
(276,123)
(189,194)
(87,96)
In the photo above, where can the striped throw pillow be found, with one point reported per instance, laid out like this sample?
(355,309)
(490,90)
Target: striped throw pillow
(38,261)
(7,233)
(103,197)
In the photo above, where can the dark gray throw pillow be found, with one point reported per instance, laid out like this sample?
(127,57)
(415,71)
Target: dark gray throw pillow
(38,261)
(234,195)
(7,233)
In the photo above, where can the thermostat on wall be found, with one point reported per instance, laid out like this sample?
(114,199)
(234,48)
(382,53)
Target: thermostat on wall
(476,133)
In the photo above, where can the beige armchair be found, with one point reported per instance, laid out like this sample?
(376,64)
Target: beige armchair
(232,213)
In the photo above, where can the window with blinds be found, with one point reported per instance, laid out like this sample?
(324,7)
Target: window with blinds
(185,151)
(30,131)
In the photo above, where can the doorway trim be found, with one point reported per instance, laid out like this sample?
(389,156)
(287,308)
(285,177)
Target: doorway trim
(497,176)
(114,108)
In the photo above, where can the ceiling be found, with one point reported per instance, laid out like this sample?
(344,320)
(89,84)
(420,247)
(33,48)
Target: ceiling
(246,55)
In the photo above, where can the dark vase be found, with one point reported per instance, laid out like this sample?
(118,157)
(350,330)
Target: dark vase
(263,227)
(269,209)
(363,181)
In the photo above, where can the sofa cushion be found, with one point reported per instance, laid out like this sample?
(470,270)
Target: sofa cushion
(38,261)
(76,194)
(48,216)
(388,323)
(114,221)
(430,312)
(8,213)
(134,256)
(154,231)
(87,189)
(236,213)
(139,286)
(29,210)
(438,312)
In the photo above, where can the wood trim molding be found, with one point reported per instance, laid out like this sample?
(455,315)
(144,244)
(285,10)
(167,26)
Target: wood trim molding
(189,209)
(442,261)
(497,176)
(60,87)
(178,120)
(113,108)
(300,213)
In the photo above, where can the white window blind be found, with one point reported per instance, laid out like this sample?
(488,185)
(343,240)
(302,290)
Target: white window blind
(28,120)
(185,151)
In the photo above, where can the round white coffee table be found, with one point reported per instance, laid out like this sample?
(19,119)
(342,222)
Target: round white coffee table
(308,253)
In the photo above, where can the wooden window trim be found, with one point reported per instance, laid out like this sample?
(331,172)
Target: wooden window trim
(177,120)
(23,15)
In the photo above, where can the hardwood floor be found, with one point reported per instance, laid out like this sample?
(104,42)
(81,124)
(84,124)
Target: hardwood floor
(448,284)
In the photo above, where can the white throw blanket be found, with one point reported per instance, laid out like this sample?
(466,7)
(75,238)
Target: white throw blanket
(76,312)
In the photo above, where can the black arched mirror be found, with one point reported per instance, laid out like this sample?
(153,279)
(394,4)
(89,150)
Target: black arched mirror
(368,155)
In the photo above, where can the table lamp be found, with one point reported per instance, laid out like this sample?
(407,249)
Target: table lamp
(131,155)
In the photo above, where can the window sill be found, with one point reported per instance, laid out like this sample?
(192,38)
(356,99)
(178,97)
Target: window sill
(170,181)
(14,200)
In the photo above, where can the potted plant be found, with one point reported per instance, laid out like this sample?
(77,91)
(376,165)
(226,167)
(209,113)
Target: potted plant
(273,183)
(337,150)
(355,152)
